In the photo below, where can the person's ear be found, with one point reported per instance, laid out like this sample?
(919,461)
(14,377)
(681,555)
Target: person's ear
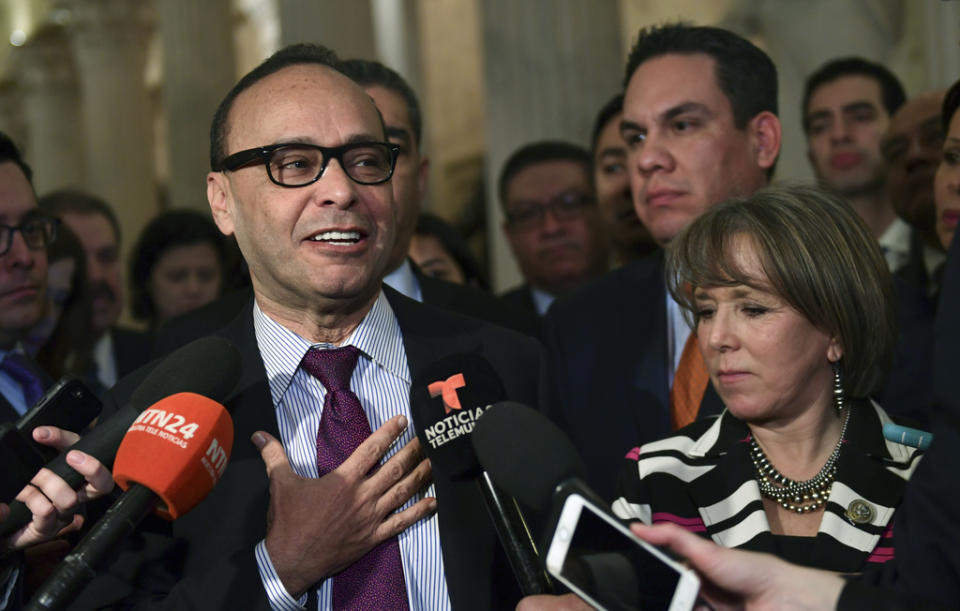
(220,198)
(765,134)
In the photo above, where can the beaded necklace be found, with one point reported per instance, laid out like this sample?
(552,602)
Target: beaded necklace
(802,497)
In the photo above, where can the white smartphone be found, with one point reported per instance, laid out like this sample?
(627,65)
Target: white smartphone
(605,564)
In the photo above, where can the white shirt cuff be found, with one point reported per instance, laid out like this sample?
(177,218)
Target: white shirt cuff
(280,599)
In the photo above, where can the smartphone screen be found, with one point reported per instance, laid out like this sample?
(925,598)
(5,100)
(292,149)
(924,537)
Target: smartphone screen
(616,571)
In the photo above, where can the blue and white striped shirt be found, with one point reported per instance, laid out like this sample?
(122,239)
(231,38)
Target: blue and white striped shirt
(382,381)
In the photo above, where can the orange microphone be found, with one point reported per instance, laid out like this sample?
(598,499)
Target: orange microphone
(169,460)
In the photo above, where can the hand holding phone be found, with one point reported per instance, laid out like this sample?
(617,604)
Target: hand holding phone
(600,560)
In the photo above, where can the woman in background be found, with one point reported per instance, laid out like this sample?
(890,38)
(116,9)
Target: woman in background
(177,266)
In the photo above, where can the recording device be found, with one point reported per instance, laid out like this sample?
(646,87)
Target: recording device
(169,460)
(209,366)
(907,436)
(447,400)
(602,562)
(68,404)
(588,549)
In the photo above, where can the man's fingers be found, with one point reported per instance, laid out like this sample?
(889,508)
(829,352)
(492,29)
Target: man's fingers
(51,486)
(369,453)
(402,520)
(271,450)
(60,439)
(408,486)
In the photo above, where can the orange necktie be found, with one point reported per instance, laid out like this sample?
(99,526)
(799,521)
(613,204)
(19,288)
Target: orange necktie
(689,385)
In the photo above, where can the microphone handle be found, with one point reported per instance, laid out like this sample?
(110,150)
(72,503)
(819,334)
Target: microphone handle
(101,443)
(515,537)
(79,567)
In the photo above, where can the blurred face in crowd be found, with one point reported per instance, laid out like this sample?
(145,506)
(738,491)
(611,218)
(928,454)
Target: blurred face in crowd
(554,227)
(185,278)
(59,286)
(613,190)
(433,259)
(946,185)
(684,151)
(102,246)
(766,360)
(911,148)
(845,120)
(311,248)
(410,175)
(23,269)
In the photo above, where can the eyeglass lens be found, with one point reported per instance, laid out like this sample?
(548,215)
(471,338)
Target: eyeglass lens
(37,233)
(299,165)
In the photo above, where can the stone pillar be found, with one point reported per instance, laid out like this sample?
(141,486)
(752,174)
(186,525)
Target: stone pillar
(396,27)
(199,68)
(51,105)
(345,27)
(109,40)
(12,122)
(549,66)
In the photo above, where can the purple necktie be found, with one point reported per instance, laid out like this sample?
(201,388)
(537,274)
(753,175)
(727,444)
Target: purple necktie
(375,581)
(17,367)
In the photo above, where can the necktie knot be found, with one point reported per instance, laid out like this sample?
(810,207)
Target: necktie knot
(332,367)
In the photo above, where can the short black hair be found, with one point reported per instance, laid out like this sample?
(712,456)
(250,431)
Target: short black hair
(367,73)
(951,102)
(745,74)
(892,94)
(291,55)
(166,231)
(612,108)
(540,152)
(65,201)
(10,153)
(453,241)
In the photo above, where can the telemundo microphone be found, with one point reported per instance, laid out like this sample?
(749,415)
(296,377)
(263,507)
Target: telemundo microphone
(447,399)
(209,366)
(170,459)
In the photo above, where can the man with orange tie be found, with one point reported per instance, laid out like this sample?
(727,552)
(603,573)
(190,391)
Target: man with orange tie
(700,126)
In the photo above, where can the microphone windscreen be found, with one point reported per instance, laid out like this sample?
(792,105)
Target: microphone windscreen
(525,453)
(209,366)
(178,448)
(446,400)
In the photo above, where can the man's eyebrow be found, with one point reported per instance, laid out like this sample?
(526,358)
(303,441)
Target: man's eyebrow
(858,106)
(625,125)
(680,109)
(617,152)
(363,138)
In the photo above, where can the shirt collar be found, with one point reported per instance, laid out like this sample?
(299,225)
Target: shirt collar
(541,300)
(404,281)
(378,338)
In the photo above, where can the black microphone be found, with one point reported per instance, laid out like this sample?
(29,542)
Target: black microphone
(447,400)
(528,455)
(209,366)
(177,469)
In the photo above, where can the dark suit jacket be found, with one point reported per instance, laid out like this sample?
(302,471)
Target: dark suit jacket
(608,343)
(453,297)
(520,298)
(131,349)
(209,561)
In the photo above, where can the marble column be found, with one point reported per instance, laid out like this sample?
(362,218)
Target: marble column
(109,40)
(12,122)
(199,69)
(51,105)
(549,67)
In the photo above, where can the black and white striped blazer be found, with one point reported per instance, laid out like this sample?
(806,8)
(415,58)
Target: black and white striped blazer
(702,478)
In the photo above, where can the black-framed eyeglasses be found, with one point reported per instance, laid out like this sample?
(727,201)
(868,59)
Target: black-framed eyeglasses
(37,232)
(567,206)
(298,165)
